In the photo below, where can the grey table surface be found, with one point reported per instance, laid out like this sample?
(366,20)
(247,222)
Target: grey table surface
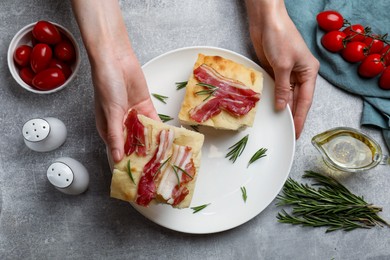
(38,222)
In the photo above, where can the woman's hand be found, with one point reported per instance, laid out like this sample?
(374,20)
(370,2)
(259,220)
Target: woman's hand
(283,53)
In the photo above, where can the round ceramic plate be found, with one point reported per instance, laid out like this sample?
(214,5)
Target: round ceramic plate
(220,182)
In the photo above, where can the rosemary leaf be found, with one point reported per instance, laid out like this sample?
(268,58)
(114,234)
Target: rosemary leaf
(180,85)
(184,171)
(237,149)
(332,205)
(259,154)
(210,90)
(244,194)
(129,171)
(161,166)
(177,175)
(199,208)
(165,118)
(160,97)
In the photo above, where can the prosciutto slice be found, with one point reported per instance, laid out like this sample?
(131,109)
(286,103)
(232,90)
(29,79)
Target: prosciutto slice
(230,95)
(136,139)
(147,187)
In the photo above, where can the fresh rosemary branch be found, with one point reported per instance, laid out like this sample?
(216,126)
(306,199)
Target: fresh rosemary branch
(165,118)
(161,166)
(332,205)
(199,208)
(129,171)
(177,176)
(259,154)
(181,169)
(160,97)
(210,89)
(180,85)
(244,194)
(237,149)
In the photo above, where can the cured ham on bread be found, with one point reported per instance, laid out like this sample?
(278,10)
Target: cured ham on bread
(161,163)
(221,93)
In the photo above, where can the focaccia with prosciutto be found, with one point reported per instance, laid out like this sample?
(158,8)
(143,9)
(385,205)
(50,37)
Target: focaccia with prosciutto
(161,163)
(221,93)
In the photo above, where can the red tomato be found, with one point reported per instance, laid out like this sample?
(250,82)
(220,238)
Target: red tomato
(22,55)
(384,80)
(330,20)
(374,44)
(27,75)
(48,79)
(54,63)
(65,51)
(354,51)
(333,41)
(40,57)
(46,32)
(385,53)
(355,33)
(371,66)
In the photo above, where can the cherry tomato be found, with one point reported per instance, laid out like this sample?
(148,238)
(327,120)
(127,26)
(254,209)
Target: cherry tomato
(354,51)
(22,55)
(27,75)
(384,80)
(355,33)
(333,41)
(48,79)
(330,20)
(371,66)
(40,57)
(65,51)
(385,53)
(46,32)
(54,63)
(374,44)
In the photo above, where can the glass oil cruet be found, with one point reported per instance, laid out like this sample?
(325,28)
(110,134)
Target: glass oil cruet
(347,149)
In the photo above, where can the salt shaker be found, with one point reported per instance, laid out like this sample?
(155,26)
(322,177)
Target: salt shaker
(44,134)
(68,176)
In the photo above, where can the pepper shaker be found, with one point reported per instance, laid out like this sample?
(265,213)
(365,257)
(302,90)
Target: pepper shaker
(44,134)
(68,176)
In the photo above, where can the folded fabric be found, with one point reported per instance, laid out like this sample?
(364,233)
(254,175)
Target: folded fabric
(376,102)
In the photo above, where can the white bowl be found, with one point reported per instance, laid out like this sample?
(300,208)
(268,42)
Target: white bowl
(24,36)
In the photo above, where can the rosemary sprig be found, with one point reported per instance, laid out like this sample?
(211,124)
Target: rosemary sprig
(165,118)
(181,169)
(160,97)
(129,171)
(180,85)
(332,205)
(199,208)
(259,154)
(244,194)
(210,90)
(237,149)
(161,166)
(177,175)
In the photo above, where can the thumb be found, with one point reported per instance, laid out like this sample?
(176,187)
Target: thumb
(115,139)
(282,88)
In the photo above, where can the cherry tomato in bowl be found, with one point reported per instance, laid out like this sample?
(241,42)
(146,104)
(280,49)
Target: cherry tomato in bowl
(330,20)
(22,55)
(46,32)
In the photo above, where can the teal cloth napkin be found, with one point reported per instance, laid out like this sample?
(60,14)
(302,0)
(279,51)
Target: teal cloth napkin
(376,102)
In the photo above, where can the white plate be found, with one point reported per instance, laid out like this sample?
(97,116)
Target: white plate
(219,179)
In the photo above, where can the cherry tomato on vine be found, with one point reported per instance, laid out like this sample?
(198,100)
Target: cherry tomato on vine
(371,66)
(40,57)
(385,53)
(22,55)
(355,33)
(48,79)
(27,75)
(375,45)
(46,32)
(65,51)
(354,51)
(54,63)
(384,80)
(330,20)
(333,41)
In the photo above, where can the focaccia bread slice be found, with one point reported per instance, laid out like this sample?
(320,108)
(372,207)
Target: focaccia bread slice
(213,104)
(161,163)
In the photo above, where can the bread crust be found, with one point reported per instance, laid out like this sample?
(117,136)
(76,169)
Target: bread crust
(122,186)
(229,69)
